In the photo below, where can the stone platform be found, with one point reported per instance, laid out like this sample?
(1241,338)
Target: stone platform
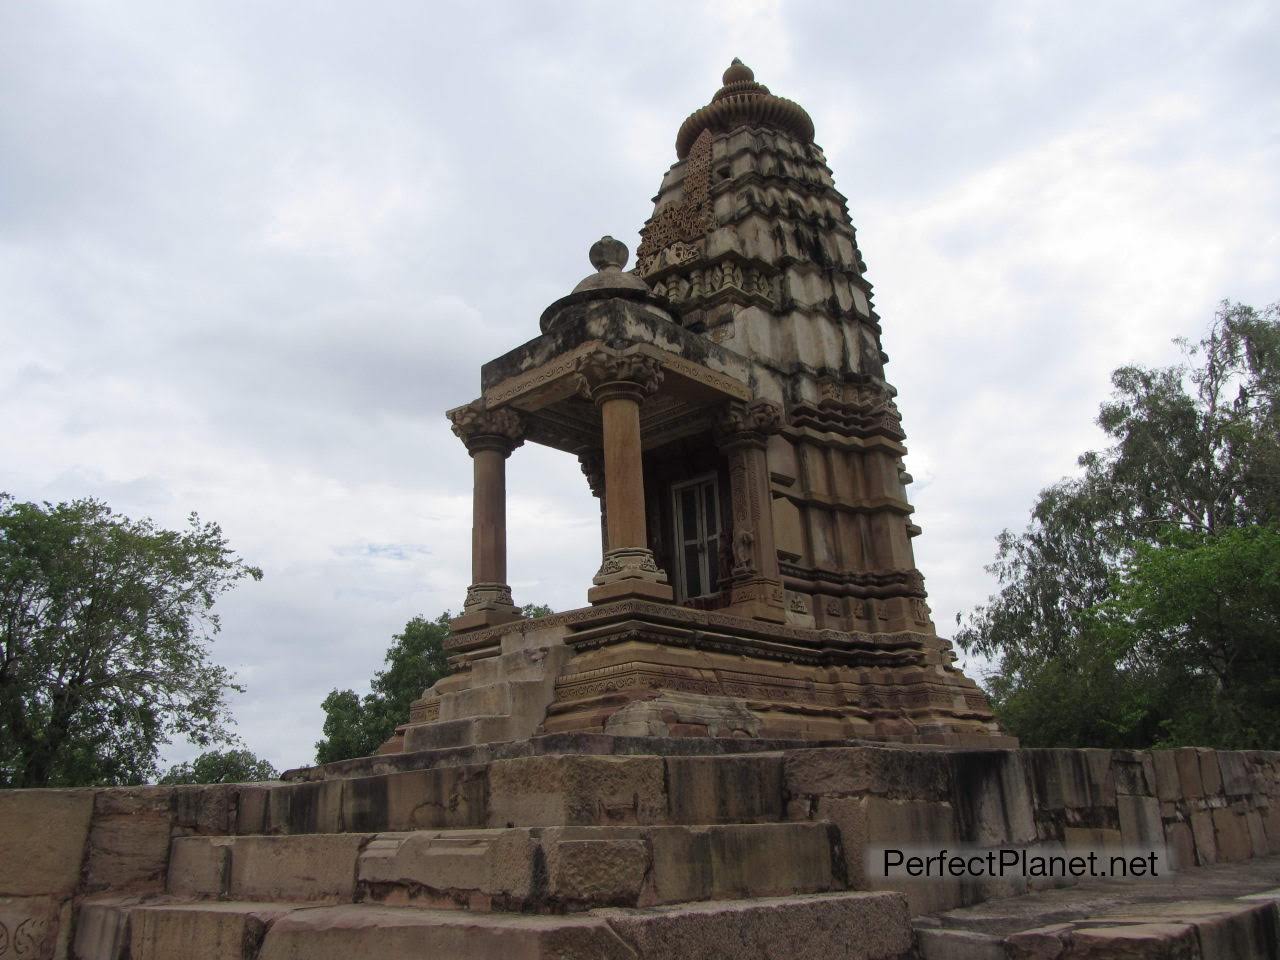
(1218,912)
(591,846)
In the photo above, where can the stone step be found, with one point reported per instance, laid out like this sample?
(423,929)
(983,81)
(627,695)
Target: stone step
(845,926)
(517,869)
(468,731)
(501,698)
(532,791)
(1244,928)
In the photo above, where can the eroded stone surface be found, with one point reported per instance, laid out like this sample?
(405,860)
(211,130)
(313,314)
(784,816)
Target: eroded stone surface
(43,834)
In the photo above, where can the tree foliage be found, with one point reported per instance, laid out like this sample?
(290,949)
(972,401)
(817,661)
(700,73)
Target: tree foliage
(1140,605)
(221,766)
(356,726)
(105,626)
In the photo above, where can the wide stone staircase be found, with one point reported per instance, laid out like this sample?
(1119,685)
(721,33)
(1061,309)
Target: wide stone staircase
(554,856)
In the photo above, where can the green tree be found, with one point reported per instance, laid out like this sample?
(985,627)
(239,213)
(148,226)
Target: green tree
(356,726)
(221,766)
(105,626)
(1097,635)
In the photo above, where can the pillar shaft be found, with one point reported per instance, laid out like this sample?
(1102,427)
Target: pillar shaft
(617,383)
(490,436)
(623,471)
(757,582)
(489,516)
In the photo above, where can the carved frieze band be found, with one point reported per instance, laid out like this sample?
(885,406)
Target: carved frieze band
(480,426)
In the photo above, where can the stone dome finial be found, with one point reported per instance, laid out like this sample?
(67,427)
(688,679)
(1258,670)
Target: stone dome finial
(608,253)
(742,101)
(738,72)
(609,281)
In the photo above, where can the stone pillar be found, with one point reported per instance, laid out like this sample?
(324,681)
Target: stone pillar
(743,432)
(618,384)
(490,436)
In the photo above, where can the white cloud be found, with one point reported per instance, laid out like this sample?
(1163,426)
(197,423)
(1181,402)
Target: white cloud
(248,258)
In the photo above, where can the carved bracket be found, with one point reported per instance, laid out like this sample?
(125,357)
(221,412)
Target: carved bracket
(480,427)
(752,422)
(639,373)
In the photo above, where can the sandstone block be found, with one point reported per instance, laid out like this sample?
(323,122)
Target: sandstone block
(439,798)
(199,866)
(129,840)
(389,933)
(205,808)
(42,840)
(992,797)
(206,931)
(597,872)
(1203,834)
(31,927)
(1225,929)
(1168,784)
(102,930)
(739,860)
(944,944)
(1257,833)
(1091,838)
(1237,779)
(305,807)
(1134,772)
(1271,827)
(844,926)
(1210,772)
(1187,761)
(1071,779)
(252,808)
(1041,943)
(484,863)
(1181,845)
(1231,834)
(867,824)
(1175,941)
(732,789)
(299,868)
(1245,930)
(567,790)
(883,771)
(1140,823)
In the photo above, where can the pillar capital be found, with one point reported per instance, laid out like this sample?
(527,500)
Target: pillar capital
(748,423)
(482,428)
(603,375)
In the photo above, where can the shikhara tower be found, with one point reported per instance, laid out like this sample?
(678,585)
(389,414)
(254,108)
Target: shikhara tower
(728,403)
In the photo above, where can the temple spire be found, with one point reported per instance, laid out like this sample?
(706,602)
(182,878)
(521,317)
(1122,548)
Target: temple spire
(743,101)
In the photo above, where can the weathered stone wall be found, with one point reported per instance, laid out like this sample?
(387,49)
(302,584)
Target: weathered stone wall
(59,846)
(1202,806)
(61,849)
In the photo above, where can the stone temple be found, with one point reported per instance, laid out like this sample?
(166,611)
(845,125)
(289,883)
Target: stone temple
(703,761)
(728,403)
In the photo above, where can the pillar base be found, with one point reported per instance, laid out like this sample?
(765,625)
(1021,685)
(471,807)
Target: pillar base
(487,605)
(630,589)
(759,598)
(629,572)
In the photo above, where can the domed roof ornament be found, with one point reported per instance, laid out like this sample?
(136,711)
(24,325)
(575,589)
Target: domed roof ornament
(743,101)
(610,281)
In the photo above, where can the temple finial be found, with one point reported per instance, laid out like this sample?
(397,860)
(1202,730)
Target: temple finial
(608,253)
(738,72)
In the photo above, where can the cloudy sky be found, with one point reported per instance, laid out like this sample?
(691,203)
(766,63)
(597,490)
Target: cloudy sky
(249,252)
